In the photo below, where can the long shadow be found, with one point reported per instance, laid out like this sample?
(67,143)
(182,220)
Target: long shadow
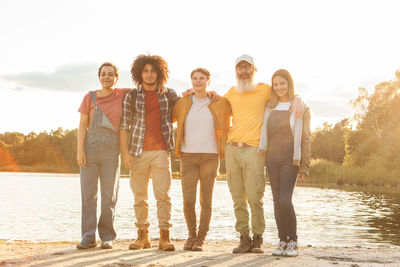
(261,260)
(87,254)
(52,255)
(157,254)
(139,257)
(207,260)
(224,257)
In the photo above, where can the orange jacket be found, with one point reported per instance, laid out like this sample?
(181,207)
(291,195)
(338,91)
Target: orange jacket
(221,111)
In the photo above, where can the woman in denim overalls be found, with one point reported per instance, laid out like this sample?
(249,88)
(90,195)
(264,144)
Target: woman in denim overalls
(98,157)
(286,140)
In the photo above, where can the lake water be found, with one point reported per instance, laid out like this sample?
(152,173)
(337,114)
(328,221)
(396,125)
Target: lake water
(46,207)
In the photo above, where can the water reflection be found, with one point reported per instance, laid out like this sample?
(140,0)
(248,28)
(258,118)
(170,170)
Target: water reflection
(386,222)
(47,207)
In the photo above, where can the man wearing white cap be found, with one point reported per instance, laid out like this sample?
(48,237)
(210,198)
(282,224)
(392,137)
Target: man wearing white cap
(245,168)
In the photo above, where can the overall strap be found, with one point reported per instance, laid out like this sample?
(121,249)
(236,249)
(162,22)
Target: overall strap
(94,98)
(93,124)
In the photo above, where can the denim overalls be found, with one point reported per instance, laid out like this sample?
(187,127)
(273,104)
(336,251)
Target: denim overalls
(102,155)
(282,173)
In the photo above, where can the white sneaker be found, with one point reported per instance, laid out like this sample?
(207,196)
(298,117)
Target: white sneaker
(291,249)
(106,245)
(280,249)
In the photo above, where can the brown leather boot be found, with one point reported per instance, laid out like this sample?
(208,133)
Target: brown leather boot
(165,243)
(199,242)
(257,242)
(143,240)
(190,241)
(244,246)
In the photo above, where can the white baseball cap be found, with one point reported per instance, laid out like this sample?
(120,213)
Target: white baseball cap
(246,58)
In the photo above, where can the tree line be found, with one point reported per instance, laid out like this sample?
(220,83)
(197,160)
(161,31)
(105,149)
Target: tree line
(53,151)
(364,149)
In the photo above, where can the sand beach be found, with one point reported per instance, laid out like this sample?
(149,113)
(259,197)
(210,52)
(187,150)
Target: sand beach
(20,253)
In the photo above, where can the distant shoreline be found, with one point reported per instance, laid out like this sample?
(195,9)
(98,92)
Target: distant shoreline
(393,191)
(34,169)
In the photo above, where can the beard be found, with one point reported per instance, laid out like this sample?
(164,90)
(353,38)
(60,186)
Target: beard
(150,83)
(244,85)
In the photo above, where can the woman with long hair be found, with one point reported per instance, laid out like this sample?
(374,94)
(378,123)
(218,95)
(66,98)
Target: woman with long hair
(287,143)
(98,156)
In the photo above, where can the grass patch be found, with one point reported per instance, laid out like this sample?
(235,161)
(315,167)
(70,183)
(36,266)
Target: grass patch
(323,172)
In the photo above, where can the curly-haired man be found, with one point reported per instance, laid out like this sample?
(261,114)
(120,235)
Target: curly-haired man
(146,138)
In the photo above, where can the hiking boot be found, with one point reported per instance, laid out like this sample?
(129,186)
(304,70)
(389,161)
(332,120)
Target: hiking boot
(143,241)
(189,242)
(280,249)
(106,244)
(257,242)
(291,249)
(86,244)
(164,243)
(199,243)
(244,246)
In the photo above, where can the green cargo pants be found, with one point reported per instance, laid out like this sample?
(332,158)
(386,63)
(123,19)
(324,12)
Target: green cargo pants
(246,181)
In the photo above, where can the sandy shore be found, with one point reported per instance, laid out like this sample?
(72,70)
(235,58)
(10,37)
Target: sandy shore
(216,254)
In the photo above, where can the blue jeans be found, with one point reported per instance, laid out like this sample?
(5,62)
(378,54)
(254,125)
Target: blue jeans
(282,177)
(102,155)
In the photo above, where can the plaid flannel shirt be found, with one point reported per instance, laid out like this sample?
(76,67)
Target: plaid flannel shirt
(135,124)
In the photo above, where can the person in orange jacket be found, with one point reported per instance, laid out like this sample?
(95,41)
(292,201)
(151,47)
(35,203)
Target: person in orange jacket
(202,133)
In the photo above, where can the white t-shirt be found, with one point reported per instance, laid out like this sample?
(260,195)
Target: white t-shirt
(286,106)
(199,133)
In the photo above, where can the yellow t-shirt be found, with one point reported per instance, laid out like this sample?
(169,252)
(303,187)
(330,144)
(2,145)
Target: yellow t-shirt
(248,112)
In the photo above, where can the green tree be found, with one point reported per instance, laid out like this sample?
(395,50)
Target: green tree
(328,141)
(378,121)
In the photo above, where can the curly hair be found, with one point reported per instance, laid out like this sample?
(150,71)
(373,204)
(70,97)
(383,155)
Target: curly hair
(110,65)
(158,63)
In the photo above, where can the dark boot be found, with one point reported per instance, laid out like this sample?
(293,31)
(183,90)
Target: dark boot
(199,242)
(257,242)
(143,240)
(244,246)
(164,243)
(190,241)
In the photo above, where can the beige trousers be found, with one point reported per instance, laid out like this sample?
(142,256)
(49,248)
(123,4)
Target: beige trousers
(157,165)
(197,167)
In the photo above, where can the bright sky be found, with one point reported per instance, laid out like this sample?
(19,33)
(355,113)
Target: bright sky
(50,50)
